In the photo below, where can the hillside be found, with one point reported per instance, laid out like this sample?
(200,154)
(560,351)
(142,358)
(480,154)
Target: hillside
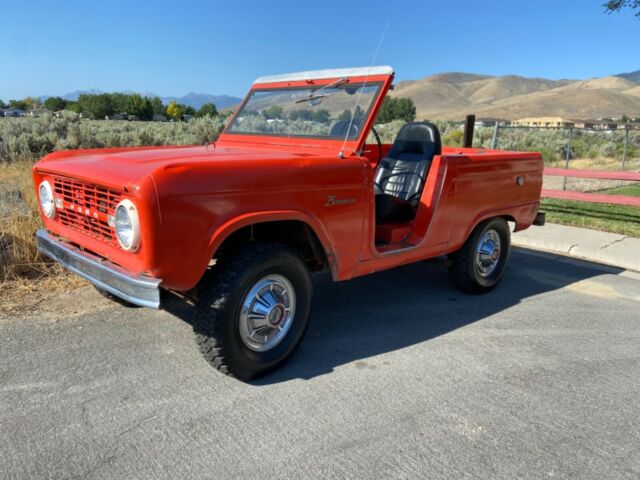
(633,76)
(453,95)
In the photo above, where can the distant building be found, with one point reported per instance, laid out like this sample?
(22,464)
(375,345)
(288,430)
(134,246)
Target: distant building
(629,126)
(560,122)
(600,124)
(159,118)
(36,112)
(13,112)
(490,122)
(187,118)
(115,116)
(544,122)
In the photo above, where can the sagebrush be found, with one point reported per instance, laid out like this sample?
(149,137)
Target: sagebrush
(25,140)
(31,138)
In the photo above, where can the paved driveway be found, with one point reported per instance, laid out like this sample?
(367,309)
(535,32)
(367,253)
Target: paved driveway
(400,376)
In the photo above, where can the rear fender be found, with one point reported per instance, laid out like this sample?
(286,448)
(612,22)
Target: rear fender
(522,215)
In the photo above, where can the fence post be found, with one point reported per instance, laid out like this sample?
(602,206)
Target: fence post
(494,141)
(624,148)
(469,125)
(567,157)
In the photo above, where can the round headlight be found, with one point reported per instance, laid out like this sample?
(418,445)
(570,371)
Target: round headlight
(127,225)
(46,199)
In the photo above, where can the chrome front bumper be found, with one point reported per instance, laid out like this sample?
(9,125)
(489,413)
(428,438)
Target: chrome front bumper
(139,290)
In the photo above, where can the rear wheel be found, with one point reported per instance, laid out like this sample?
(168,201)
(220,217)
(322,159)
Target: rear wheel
(252,310)
(480,264)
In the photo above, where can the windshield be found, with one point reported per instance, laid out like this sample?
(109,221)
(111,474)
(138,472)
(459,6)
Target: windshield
(318,112)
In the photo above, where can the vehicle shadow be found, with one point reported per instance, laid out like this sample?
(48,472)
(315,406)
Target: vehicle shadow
(394,309)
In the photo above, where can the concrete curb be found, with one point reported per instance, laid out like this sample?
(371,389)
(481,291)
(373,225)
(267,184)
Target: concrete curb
(601,247)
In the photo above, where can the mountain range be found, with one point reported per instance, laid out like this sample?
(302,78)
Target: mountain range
(195,100)
(450,96)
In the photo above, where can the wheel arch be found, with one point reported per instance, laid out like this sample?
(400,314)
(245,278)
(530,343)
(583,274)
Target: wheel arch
(290,228)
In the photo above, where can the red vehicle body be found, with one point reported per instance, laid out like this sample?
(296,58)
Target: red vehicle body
(192,202)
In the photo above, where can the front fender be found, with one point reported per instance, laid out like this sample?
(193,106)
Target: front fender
(222,232)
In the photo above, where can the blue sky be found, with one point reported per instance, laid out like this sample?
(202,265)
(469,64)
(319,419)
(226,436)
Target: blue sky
(219,47)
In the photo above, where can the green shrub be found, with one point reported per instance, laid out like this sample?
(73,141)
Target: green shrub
(31,138)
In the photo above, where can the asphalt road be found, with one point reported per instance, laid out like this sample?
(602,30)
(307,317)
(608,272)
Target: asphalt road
(400,376)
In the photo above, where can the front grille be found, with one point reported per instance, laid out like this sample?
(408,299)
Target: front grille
(87,207)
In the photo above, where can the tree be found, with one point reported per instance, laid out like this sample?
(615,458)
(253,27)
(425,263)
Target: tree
(274,111)
(301,114)
(174,110)
(54,104)
(73,106)
(158,106)
(346,115)
(617,5)
(2,104)
(139,106)
(120,103)
(98,106)
(33,102)
(321,116)
(396,109)
(19,104)
(207,109)
(188,109)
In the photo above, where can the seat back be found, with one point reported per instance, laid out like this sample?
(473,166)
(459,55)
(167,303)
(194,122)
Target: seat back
(402,173)
(340,128)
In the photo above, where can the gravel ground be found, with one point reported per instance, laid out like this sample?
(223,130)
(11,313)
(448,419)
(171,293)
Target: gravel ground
(400,376)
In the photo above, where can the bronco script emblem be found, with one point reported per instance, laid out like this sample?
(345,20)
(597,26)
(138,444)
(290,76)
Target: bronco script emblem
(332,201)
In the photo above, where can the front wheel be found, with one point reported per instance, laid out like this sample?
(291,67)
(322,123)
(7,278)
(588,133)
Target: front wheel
(481,262)
(252,310)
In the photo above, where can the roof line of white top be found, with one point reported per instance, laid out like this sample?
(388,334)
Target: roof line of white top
(330,73)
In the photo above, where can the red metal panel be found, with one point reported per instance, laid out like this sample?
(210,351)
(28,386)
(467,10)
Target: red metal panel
(597,174)
(592,197)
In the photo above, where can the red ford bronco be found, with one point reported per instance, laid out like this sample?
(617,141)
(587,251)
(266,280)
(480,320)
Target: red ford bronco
(289,188)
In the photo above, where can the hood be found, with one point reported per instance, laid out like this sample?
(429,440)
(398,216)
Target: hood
(120,167)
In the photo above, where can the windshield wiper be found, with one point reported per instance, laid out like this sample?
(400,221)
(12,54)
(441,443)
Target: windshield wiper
(319,96)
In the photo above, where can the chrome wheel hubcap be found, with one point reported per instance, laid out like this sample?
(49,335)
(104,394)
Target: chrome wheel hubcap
(488,253)
(267,313)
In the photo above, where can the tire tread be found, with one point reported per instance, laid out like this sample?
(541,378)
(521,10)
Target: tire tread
(214,292)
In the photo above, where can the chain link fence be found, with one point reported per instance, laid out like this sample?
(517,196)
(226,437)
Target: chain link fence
(576,148)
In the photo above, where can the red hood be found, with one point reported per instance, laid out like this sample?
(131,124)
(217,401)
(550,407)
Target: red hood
(118,167)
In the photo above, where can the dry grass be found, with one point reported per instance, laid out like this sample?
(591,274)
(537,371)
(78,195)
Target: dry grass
(22,141)
(22,269)
(631,164)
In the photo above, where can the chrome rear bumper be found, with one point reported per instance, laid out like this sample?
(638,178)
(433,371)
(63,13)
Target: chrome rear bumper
(139,290)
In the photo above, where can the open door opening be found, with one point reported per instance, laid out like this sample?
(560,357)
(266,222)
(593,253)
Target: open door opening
(399,181)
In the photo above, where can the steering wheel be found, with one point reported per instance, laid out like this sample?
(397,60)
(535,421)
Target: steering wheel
(375,134)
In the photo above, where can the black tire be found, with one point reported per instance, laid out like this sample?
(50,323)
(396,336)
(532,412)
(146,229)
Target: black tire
(116,299)
(464,272)
(219,304)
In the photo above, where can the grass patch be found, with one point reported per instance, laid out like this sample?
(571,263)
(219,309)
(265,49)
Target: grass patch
(23,141)
(609,218)
(23,271)
(19,220)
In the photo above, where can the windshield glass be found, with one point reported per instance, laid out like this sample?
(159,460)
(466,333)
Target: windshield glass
(318,112)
